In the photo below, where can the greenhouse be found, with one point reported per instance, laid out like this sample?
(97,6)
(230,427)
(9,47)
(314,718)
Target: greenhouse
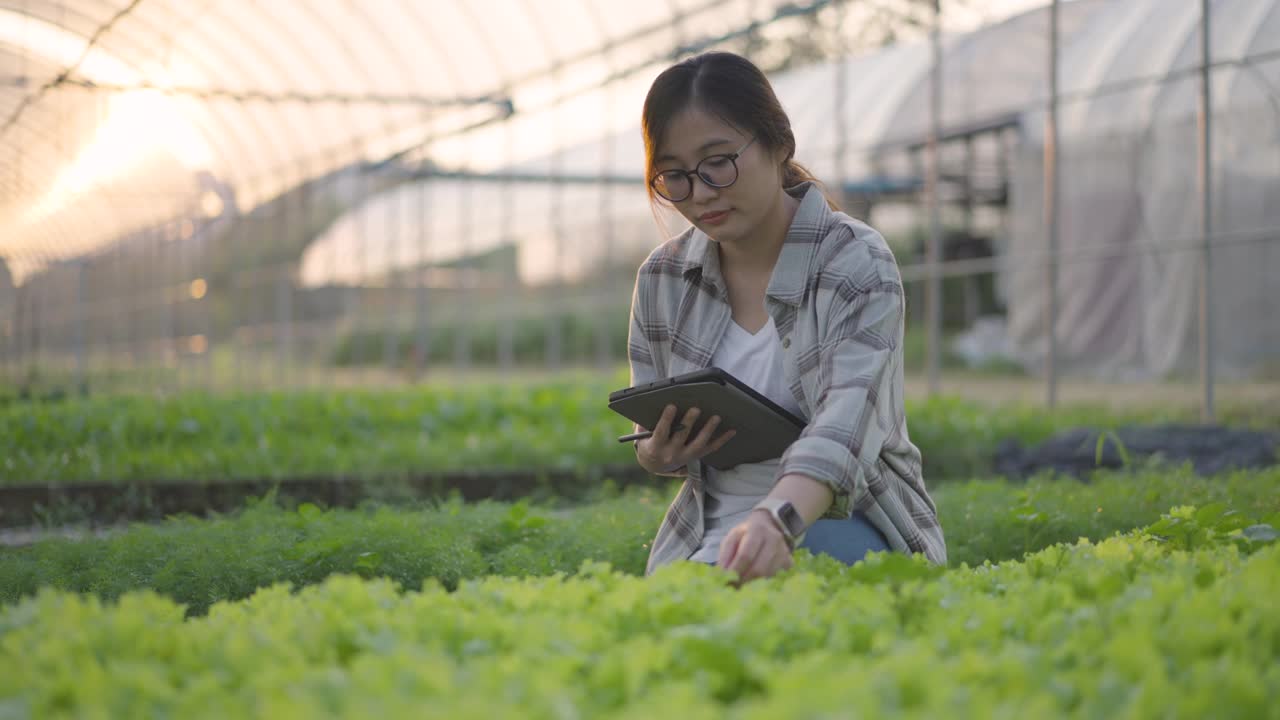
(342,198)
(350,365)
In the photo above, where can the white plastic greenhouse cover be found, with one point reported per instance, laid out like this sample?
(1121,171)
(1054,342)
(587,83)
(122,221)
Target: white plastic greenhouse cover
(874,82)
(1128,170)
(1128,156)
(992,72)
(365,79)
(988,73)
(1129,182)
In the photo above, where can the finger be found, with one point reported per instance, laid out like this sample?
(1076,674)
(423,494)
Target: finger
(748,548)
(719,442)
(652,450)
(766,563)
(728,549)
(690,416)
(663,426)
(704,436)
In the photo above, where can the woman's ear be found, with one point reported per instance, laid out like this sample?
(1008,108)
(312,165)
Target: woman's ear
(780,159)
(779,156)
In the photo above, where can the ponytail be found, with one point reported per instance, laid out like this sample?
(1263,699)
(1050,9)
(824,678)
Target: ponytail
(793,173)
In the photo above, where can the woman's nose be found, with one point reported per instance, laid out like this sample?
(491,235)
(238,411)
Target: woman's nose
(702,191)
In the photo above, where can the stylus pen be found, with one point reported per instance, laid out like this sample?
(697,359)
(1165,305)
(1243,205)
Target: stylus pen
(645,434)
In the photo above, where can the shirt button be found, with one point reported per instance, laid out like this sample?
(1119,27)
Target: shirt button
(786,342)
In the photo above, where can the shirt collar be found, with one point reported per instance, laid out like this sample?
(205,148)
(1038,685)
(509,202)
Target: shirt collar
(792,271)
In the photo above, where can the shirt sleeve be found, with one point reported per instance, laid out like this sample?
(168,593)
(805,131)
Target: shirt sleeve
(851,420)
(639,346)
(640,349)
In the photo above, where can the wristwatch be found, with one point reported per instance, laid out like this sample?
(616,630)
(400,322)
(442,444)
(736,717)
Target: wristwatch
(786,517)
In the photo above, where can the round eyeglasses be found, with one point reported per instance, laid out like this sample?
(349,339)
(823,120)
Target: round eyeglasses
(718,171)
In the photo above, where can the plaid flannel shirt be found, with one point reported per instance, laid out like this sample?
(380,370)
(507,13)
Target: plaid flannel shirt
(836,298)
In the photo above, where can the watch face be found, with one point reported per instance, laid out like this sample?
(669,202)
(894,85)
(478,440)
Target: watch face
(791,518)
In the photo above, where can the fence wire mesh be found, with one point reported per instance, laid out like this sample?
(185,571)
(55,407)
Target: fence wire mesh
(293,194)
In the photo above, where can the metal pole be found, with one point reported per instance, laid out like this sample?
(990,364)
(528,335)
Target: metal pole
(841,101)
(972,291)
(82,385)
(21,299)
(293,220)
(460,291)
(7,340)
(32,349)
(160,245)
(506,323)
(303,324)
(284,325)
(1051,177)
(1206,222)
(237,244)
(208,318)
(422,338)
(132,259)
(179,291)
(358,299)
(391,284)
(555,335)
(603,319)
(933,303)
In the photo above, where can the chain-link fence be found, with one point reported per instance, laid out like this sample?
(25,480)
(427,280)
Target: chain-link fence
(248,195)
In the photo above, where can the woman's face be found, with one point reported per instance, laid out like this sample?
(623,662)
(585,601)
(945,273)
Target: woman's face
(730,213)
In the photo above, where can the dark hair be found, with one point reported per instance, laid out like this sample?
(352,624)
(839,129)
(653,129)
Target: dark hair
(732,88)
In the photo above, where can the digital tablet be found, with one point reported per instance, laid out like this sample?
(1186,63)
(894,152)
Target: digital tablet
(765,429)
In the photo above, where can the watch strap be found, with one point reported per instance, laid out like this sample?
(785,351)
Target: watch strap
(794,531)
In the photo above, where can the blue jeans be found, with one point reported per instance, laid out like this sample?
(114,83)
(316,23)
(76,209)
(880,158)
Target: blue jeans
(845,540)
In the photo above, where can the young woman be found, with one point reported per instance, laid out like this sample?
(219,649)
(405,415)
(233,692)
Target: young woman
(798,300)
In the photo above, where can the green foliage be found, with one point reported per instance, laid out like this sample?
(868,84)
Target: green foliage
(995,520)
(198,562)
(915,351)
(531,339)
(958,438)
(1187,528)
(553,425)
(1120,447)
(563,424)
(1127,627)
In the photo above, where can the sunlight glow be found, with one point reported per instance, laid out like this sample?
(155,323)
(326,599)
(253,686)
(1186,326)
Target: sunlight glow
(140,125)
(63,48)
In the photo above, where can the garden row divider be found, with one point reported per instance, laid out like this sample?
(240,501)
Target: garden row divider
(114,502)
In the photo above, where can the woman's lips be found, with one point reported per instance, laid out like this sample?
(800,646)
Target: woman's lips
(714,218)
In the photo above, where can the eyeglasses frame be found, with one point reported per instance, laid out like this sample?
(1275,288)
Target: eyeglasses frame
(733,158)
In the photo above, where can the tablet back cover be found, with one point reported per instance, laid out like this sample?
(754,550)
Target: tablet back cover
(763,434)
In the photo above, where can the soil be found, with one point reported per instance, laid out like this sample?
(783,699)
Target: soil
(1210,449)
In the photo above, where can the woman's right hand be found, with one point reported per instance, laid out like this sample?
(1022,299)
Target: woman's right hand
(666,451)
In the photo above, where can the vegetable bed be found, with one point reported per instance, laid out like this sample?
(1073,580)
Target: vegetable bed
(200,562)
(563,425)
(1178,622)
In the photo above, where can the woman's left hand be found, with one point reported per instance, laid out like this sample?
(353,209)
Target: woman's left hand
(755,548)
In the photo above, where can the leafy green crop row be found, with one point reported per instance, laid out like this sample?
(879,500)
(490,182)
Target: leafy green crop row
(578,336)
(553,425)
(198,562)
(1130,627)
(352,433)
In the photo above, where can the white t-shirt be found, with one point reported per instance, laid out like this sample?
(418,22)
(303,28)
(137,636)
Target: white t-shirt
(730,494)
